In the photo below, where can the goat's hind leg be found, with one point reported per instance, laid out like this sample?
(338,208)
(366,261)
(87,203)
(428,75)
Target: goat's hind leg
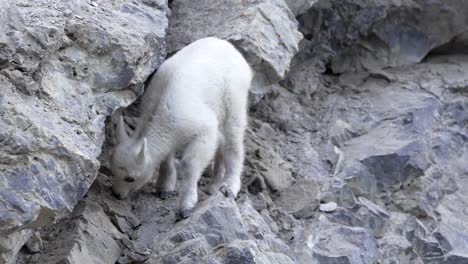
(233,155)
(167,178)
(219,168)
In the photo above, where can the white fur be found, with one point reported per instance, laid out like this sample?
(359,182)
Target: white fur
(196,103)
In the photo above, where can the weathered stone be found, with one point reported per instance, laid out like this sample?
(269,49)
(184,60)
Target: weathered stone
(246,252)
(214,222)
(34,244)
(393,153)
(219,231)
(265,31)
(388,146)
(334,243)
(261,231)
(300,6)
(11,244)
(300,199)
(265,168)
(61,75)
(373,34)
(364,214)
(82,237)
(328,207)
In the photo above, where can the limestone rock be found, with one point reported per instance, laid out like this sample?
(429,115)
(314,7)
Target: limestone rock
(220,232)
(334,243)
(11,244)
(264,167)
(370,34)
(300,6)
(65,67)
(34,244)
(328,207)
(300,199)
(364,214)
(387,145)
(266,32)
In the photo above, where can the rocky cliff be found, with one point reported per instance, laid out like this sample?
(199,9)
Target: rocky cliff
(357,144)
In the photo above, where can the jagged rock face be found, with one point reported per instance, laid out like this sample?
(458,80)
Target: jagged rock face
(300,6)
(369,34)
(64,67)
(264,31)
(241,23)
(367,166)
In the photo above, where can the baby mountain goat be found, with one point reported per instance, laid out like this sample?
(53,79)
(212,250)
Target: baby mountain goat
(195,104)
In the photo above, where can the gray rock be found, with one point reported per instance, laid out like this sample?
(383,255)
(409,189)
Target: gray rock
(264,167)
(265,31)
(91,234)
(364,214)
(220,232)
(86,236)
(246,252)
(300,199)
(34,244)
(388,146)
(393,151)
(214,222)
(300,6)
(261,230)
(369,34)
(334,243)
(61,76)
(11,244)
(328,207)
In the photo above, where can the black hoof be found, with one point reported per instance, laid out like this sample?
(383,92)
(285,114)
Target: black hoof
(227,193)
(164,195)
(182,214)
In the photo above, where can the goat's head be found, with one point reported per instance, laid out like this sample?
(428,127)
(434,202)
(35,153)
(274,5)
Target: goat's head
(130,163)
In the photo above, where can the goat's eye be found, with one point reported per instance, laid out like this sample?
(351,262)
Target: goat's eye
(129,179)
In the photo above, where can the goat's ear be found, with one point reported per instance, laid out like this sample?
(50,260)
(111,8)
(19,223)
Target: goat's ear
(142,154)
(121,133)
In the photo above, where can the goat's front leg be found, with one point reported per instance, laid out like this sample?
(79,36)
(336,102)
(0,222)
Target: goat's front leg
(167,178)
(195,159)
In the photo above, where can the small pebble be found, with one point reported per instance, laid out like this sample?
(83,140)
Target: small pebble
(67,12)
(328,207)
(94,4)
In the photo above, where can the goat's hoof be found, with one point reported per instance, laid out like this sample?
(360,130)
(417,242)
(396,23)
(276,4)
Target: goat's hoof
(182,214)
(228,193)
(211,190)
(164,194)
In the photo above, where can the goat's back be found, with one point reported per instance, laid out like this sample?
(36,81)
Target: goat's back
(207,74)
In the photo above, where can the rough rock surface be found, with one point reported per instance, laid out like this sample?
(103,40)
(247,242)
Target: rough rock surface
(265,31)
(64,67)
(387,143)
(371,34)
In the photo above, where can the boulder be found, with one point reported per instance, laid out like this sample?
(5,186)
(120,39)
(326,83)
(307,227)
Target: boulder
(11,244)
(221,232)
(300,199)
(336,244)
(369,34)
(364,214)
(64,67)
(265,31)
(300,6)
(263,166)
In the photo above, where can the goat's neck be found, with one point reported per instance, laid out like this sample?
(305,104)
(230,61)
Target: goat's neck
(160,138)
